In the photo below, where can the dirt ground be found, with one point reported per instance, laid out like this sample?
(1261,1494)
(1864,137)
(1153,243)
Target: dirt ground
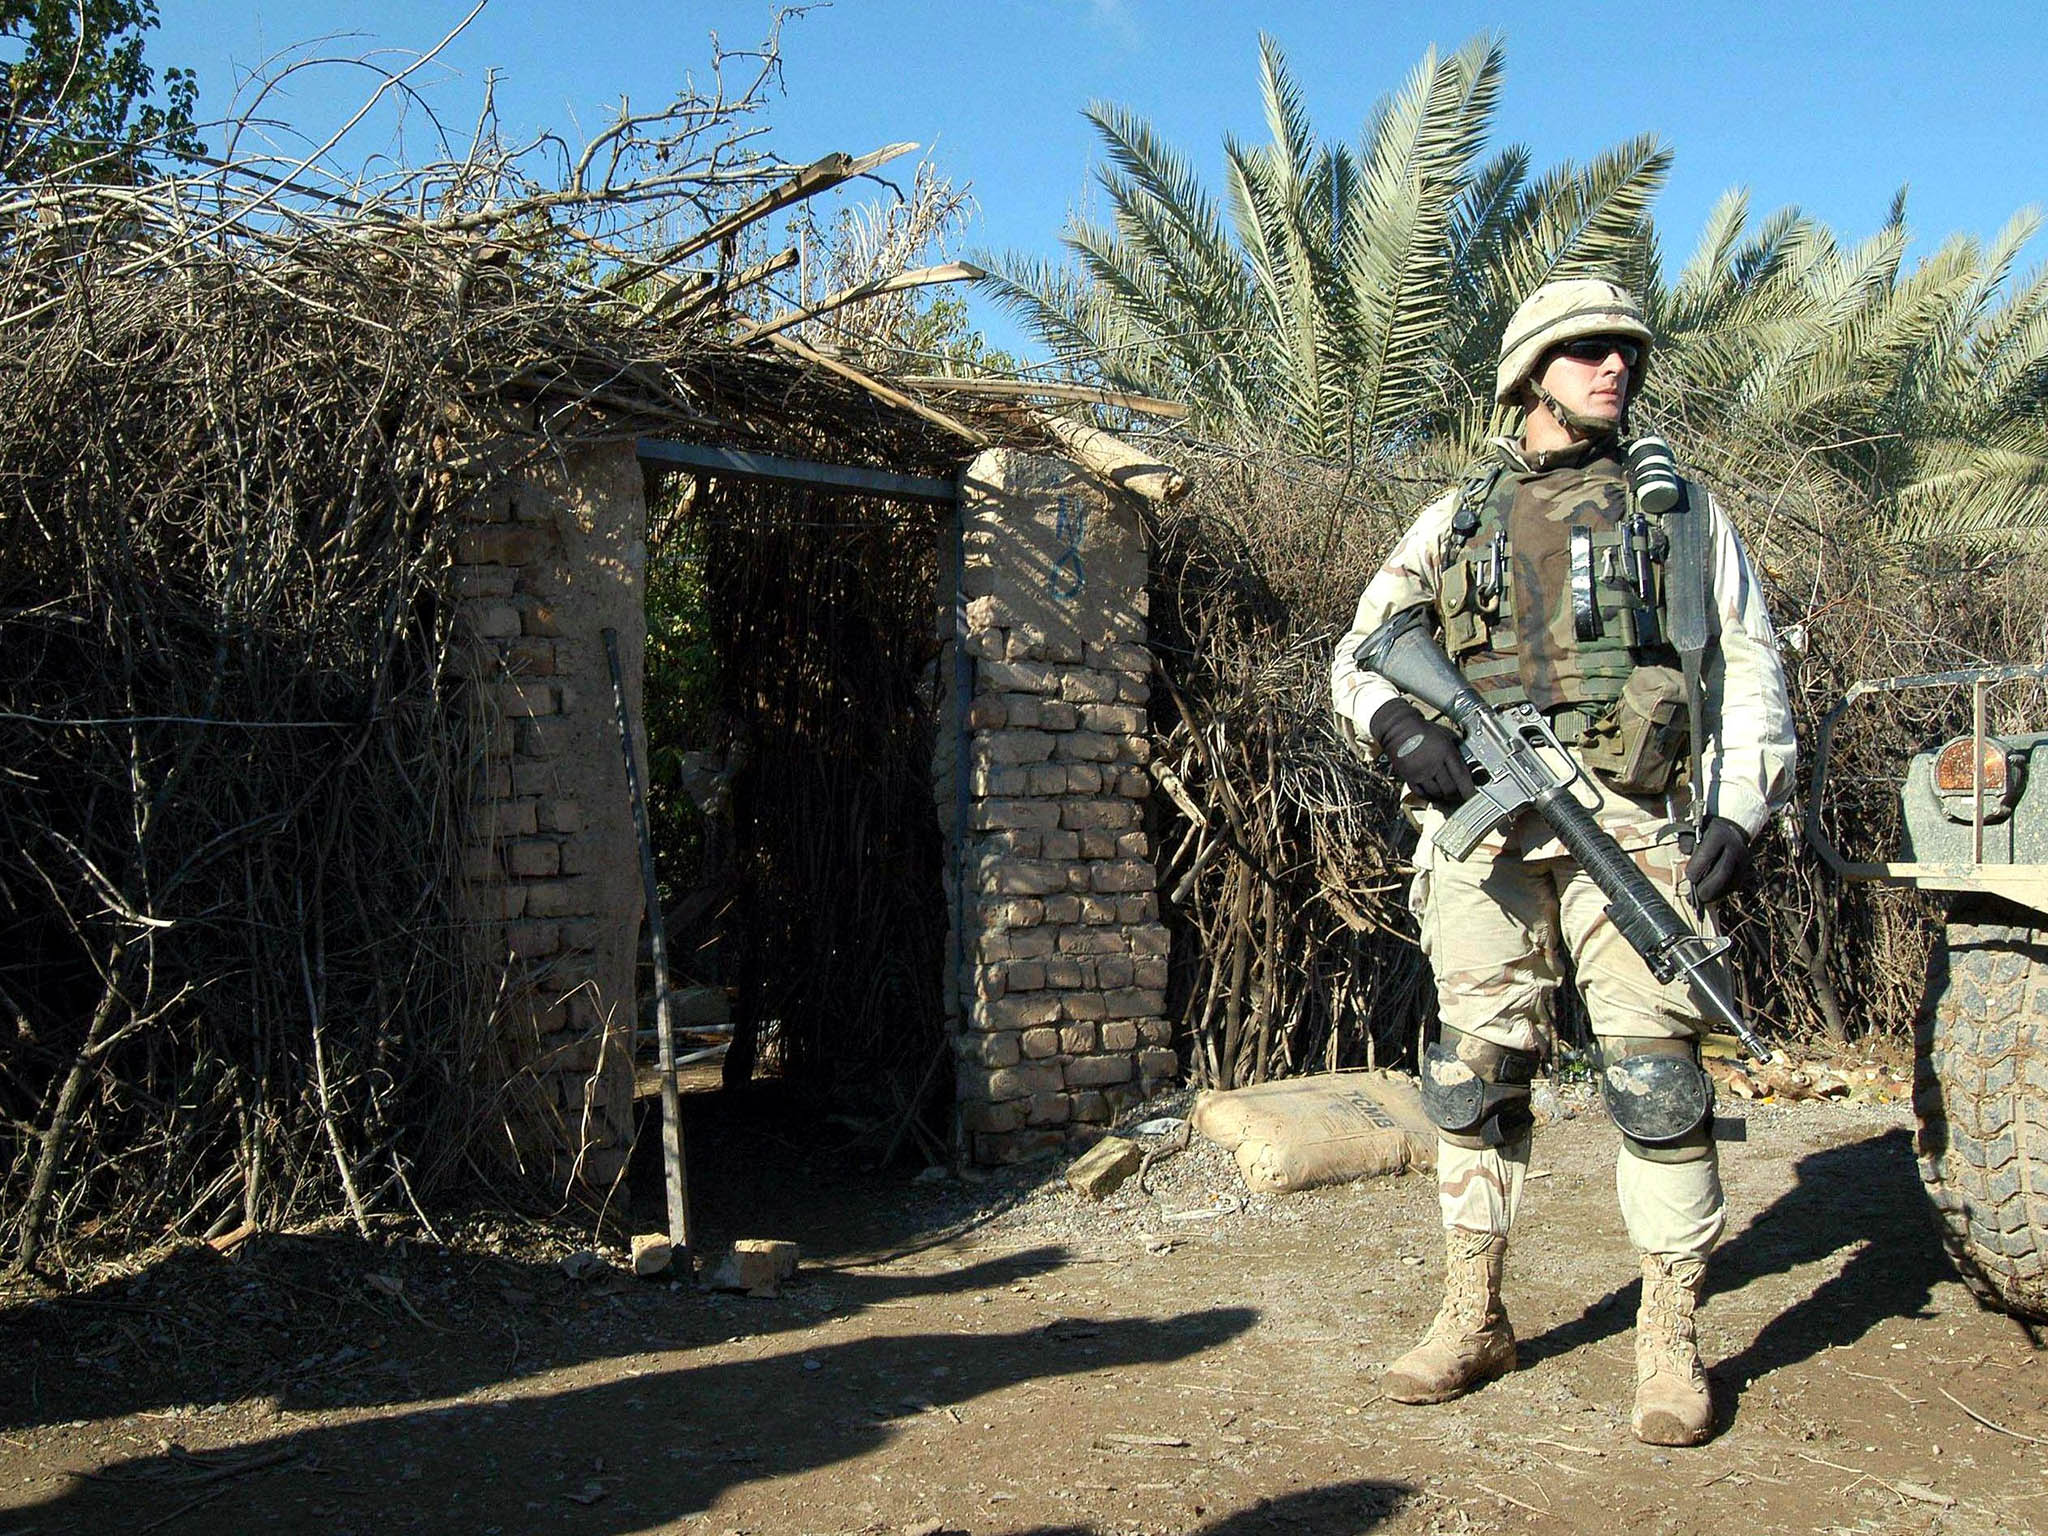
(996,1357)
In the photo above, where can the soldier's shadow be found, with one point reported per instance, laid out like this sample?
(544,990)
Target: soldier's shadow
(1865,1196)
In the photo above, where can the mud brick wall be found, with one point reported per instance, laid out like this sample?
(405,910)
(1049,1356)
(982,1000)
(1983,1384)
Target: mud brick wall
(543,566)
(1062,958)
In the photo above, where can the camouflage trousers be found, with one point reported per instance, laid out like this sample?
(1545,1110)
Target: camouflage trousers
(1494,927)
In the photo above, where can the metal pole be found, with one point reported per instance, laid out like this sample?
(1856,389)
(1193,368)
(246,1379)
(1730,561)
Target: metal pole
(657,941)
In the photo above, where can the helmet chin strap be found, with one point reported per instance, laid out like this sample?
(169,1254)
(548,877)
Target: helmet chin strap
(1599,428)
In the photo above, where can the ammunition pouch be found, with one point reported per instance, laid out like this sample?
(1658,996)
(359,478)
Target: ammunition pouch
(1638,741)
(1475,1092)
(1659,1097)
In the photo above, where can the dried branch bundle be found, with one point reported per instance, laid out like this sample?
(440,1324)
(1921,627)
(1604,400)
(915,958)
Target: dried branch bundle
(242,410)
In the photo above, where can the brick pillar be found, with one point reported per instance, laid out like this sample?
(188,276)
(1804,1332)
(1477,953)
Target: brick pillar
(542,568)
(1061,954)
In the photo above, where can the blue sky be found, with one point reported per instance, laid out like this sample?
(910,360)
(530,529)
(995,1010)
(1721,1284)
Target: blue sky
(1832,108)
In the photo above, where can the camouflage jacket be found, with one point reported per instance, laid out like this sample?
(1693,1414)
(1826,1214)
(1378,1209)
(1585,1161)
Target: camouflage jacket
(1749,751)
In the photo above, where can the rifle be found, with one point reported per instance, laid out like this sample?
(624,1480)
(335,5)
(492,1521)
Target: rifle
(1512,753)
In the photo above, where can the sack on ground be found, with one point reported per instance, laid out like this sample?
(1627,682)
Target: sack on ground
(1303,1132)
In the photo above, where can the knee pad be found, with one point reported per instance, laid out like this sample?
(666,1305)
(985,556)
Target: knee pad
(1475,1092)
(1659,1097)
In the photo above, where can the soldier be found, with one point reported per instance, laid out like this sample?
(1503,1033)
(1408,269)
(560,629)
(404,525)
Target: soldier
(1549,576)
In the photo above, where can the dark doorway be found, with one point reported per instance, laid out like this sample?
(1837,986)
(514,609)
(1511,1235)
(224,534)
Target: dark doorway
(791,705)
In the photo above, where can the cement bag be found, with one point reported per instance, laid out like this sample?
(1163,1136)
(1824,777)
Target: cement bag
(1302,1132)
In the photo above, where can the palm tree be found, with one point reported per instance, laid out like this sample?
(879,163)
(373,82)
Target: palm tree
(1347,304)
(1340,301)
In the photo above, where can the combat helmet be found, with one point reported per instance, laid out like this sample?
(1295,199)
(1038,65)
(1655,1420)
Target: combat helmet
(1559,311)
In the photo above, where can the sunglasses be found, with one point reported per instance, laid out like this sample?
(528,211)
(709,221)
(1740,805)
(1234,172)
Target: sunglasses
(1594,349)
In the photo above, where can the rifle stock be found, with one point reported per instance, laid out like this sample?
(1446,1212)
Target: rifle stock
(1513,755)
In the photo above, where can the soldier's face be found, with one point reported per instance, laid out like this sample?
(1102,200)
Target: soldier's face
(1586,384)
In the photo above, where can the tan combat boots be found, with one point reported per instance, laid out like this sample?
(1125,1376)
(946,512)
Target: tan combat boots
(1470,1342)
(1672,1403)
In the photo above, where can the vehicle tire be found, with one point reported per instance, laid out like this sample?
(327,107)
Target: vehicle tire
(1980,1092)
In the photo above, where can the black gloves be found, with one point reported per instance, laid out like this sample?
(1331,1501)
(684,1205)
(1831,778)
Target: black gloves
(1423,754)
(1718,860)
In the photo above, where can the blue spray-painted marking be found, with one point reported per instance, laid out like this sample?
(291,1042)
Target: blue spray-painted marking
(1068,575)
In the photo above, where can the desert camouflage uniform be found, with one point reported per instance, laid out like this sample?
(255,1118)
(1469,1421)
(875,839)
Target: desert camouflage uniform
(1493,924)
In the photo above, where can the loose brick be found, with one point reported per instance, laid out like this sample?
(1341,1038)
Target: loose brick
(1099,1071)
(1102,1169)
(1038,1044)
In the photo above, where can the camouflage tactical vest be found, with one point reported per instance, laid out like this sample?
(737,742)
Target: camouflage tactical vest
(1556,593)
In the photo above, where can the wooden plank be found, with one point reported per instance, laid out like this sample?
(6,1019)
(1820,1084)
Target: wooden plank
(1034,389)
(917,277)
(747,464)
(879,390)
